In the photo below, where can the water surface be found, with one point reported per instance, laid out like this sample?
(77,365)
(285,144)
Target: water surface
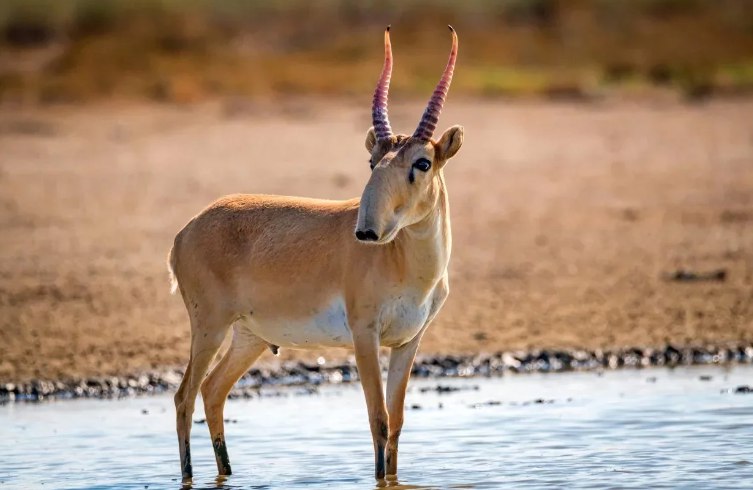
(656,428)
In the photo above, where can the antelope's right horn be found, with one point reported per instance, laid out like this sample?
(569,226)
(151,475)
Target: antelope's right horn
(428,124)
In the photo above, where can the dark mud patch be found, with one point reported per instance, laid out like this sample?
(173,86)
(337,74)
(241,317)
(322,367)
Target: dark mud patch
(719,275)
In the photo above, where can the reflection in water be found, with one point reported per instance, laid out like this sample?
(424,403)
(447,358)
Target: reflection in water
(651,428)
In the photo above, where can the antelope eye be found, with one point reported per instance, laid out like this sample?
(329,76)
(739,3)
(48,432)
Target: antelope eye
(422,164)
(371,164)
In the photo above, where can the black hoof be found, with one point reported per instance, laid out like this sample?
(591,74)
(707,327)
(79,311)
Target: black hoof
(220,452)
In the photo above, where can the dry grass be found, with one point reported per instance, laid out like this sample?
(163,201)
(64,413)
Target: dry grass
(190,51)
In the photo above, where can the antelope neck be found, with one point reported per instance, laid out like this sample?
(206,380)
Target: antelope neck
(425,246)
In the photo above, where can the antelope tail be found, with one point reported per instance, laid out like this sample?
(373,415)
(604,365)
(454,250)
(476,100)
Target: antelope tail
(171,261)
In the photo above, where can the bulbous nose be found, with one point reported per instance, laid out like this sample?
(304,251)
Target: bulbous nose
(367,236)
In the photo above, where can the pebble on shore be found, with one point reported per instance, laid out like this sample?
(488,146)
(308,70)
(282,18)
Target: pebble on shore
(309,376)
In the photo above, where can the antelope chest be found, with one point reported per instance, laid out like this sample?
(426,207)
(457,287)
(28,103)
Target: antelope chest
(403,317)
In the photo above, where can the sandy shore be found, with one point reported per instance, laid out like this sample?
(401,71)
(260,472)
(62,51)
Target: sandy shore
(569,220)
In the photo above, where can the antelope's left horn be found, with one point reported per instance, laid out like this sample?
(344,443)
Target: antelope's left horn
(379,107)
(428,124)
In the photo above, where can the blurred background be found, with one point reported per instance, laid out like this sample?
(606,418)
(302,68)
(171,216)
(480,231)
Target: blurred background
(603,198)
(185,51)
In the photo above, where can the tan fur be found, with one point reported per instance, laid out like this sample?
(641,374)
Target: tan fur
(265,264)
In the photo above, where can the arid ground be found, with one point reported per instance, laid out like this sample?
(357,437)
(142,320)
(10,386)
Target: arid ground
(568,219)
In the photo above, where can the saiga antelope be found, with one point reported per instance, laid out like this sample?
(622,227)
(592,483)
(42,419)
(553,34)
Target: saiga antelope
(288,272)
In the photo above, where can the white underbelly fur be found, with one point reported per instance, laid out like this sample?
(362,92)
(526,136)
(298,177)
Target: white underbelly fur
(401,319)
(328,327)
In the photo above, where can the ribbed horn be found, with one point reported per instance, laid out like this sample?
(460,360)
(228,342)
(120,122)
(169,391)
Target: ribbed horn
(428,124)
(379,107)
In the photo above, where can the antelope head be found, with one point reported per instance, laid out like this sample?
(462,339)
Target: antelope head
(406,171)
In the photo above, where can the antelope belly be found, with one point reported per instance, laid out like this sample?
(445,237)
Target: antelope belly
(325,327)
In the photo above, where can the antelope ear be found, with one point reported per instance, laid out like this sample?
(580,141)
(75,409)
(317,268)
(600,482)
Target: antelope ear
(449,143)
(370,139)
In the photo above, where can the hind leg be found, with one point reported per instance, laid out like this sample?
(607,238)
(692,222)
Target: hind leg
(207,334)
(244,350)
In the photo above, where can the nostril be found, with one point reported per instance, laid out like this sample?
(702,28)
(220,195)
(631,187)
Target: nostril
(367,236)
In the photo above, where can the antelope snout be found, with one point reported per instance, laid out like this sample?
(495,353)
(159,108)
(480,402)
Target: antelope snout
(367,235)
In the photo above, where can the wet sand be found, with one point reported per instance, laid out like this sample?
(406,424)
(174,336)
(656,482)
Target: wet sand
(575,225)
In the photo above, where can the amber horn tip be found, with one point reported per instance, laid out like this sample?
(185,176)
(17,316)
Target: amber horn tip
(448,25)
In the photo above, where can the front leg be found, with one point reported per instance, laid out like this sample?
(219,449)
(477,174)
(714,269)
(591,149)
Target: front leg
(366,344)
(401,363)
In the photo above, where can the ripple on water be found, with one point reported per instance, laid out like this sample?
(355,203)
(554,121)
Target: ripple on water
(686,430)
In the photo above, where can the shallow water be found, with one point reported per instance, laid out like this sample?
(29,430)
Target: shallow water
(655,428)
